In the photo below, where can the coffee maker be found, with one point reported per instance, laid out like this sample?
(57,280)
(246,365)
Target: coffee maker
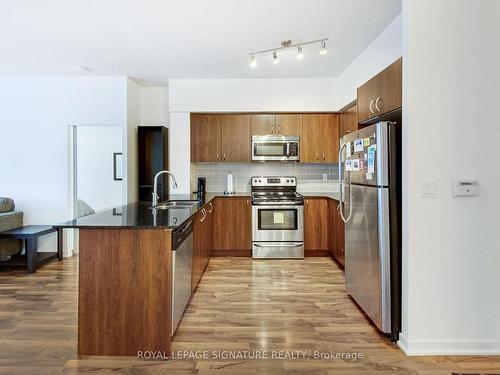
(201,186)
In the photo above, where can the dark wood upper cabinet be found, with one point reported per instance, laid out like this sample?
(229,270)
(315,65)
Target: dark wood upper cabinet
(319,138)
(279,124)
(206,134)
(381,94)
(232,224)
(316,220)
(235,138)
(287,124)
(262,124)
(348,121)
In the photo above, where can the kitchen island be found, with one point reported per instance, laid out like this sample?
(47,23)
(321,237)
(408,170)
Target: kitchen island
(126,275)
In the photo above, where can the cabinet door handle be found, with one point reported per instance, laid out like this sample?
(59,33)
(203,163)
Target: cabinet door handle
(278,129)
(204,213)
(376,104)
(317,156)
(307,202)
(217,156)
(211,207)
(323,155)
(224,156)
(248,202)
(371,103)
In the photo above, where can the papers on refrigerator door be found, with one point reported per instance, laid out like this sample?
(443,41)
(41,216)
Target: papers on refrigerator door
(371,159)
(358,145)
(355,165)
(348,165)
(348,149)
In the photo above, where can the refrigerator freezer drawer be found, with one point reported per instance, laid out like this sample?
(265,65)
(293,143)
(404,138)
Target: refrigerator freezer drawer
(367,253)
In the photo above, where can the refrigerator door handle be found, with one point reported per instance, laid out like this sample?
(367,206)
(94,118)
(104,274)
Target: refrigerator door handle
(341,189)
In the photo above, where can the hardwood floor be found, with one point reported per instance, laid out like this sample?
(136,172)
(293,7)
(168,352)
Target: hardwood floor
(240,305)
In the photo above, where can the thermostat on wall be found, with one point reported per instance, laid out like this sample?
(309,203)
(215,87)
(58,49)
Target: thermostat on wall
(465,188)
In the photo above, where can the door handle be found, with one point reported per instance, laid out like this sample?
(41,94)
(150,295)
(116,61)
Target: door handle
(298,244)
(376,104)
(204,212)
(317,156)
(323,155)
(224,156)
(248,202)
(371,103)
(211,207)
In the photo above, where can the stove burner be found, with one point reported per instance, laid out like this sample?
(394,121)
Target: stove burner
(275,190)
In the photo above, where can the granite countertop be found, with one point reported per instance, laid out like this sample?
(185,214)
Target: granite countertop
(331,195)
(140,215)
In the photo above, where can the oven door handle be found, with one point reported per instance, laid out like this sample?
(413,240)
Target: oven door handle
(295,244)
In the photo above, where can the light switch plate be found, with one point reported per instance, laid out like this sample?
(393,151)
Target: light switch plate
(429,189)
(325,176)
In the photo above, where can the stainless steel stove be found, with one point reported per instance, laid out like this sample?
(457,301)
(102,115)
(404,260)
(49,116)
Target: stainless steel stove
(277,218)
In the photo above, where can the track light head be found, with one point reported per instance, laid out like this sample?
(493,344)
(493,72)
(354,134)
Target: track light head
(300,54)
(323,50)
(253,61)
(276,59)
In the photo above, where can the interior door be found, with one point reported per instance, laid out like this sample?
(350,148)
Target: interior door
(367,251)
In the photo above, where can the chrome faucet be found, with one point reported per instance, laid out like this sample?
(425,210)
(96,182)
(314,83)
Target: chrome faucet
(155,185)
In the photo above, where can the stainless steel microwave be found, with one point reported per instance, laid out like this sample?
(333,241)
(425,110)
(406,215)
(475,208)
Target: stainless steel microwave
(275,148)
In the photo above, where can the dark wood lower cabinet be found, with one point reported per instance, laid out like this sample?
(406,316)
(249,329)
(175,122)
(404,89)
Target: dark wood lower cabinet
(202,242)
(337,236)
(232,232)
(316,226)
(124,291)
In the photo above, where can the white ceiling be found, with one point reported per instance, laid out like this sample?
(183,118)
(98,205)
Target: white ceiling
(157,40)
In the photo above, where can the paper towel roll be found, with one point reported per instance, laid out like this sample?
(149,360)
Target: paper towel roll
(229,183)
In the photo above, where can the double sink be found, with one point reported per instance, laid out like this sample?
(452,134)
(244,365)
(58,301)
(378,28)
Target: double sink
(176,204)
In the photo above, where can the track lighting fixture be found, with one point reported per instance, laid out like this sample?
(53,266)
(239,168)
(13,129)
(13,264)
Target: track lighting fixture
(276,59)
(300,54)
(253,61)
(323,50)
(285,44)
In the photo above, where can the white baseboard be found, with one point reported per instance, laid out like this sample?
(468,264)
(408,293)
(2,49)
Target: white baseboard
(451,347)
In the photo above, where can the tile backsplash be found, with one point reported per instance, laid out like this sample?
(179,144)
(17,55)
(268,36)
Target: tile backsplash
(309,176)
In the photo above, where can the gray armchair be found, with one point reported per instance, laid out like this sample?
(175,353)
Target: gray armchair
(9,219)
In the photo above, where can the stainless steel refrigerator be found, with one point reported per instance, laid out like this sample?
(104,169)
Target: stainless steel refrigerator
(370,205)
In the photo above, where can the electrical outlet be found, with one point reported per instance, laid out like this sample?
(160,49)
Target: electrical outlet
(325,176)
(429,189)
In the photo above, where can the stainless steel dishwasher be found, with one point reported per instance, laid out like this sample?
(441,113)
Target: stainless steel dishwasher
(182,257)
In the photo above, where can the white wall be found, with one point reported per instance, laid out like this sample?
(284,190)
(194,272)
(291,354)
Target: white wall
(154,106)
(233,95)
(130,142)
(95,180)
(203,95)
(35,116)
(451,246)
(383,51)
